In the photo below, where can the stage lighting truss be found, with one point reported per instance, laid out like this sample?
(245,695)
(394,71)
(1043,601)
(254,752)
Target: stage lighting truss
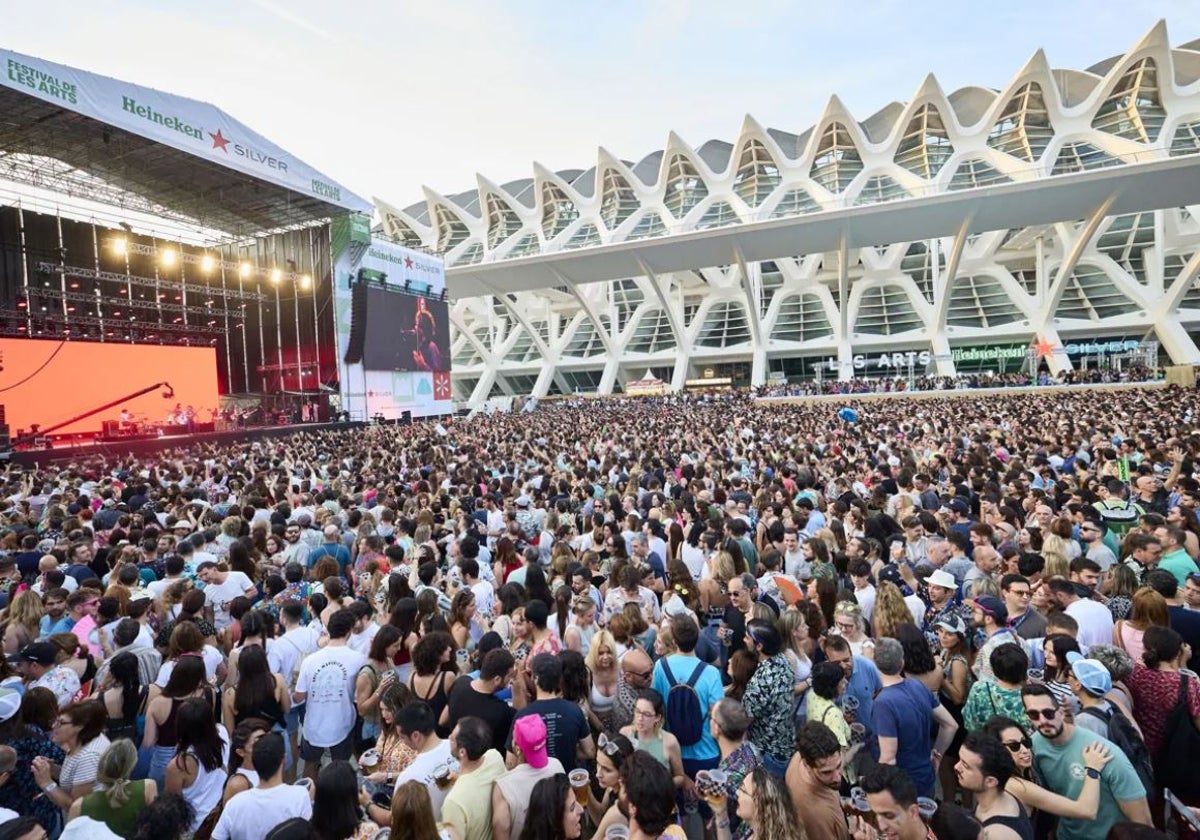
(203,311)
(80,273)
(208,263)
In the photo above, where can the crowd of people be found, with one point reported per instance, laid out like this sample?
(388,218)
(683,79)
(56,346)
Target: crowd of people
(831,385)
(675,617)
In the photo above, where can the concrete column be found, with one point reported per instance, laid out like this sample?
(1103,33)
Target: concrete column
(758,367)
(943,362)
(609,378)
(845,357)
(1175,340)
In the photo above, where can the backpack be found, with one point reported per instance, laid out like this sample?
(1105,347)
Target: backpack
(1181,744)
(685,716)
(1121,732)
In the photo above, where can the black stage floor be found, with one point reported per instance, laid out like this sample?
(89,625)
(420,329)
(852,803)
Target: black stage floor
(65,452)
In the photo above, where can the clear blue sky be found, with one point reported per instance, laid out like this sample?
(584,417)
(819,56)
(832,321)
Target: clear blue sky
(388,96)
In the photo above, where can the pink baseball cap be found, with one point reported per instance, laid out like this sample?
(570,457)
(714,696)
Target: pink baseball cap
(529,733)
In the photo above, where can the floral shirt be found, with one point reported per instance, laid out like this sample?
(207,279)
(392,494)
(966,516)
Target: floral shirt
(768,699)
(986,698)
(21,793)
(62,681)
(737,766)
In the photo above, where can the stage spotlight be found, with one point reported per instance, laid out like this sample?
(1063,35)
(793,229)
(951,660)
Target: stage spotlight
(276,275)
(244,270)
(305,281)
(119,245)
(207,263)
(167,257)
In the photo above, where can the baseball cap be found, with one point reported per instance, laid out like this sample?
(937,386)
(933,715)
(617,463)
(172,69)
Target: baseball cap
(954,624)
(1092,675)
(523,501)
(529,733)
(958,506)
(43,653)
(942,578)
(10,703)
(993,606)
(181,523)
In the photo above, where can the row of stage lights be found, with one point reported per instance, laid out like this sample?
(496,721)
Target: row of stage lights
(169,257)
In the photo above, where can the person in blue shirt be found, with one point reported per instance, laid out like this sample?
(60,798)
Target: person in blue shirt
(904,714)
(862,683)
(704,754)
(333,547)
(56,619)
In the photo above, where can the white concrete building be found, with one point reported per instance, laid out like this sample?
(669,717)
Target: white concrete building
(959,228)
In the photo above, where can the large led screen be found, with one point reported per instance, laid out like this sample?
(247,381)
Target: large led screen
(48,382)
(405,332)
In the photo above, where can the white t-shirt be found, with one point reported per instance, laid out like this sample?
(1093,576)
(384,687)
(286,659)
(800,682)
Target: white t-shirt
(693,558)
(327,678)
(156,588)
(253,813)
(218,596)
(485,597)
(212,660)
(1095,622)
(291,648)
(361,642)
(423,769)
(866,600)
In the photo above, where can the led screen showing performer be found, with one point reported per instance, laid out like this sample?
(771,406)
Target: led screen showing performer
(406,332)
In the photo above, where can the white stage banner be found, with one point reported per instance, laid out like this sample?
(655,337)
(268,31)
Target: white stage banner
(185,124)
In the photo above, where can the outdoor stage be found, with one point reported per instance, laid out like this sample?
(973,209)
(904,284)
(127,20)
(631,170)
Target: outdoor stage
(84,449)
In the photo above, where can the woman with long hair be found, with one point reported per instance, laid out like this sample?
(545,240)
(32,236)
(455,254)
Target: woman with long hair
(1055,648)
(123,696)
(412,812)
(197,772)
(26,610)
(374,679)
(611,752)
(740,667)
(506,560)
(118,801)
(606,678)
(161,735)
(395,755)
(337,805)
(240,771)
(793,629)
(187,641)
(647,733)
(764,806)
(462,620)
(1024,786)
(1149,608)
(404,618)
(953,657)
(258,694)
(554,812)
(890,611)
(919,662)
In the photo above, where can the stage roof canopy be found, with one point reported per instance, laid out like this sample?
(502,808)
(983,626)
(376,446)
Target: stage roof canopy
(128,146)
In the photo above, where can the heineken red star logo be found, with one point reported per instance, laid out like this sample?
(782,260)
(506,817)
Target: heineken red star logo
(408,262)
(219,141)
(1043,348)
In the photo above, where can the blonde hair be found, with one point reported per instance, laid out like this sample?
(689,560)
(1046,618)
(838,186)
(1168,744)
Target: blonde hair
(890,611)
(113,770)
(601,639)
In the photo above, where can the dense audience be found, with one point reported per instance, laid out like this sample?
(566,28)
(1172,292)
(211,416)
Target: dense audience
(686,616)
(831,385)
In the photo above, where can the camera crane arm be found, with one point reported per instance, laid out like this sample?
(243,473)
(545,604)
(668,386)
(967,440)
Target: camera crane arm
(29,437)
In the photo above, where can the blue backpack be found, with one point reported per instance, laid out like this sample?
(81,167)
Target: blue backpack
(685,715)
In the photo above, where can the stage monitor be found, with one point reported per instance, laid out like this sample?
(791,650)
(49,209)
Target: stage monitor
(48,382)
(404,332)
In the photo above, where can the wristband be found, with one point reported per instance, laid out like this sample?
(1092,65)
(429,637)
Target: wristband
(50,788)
